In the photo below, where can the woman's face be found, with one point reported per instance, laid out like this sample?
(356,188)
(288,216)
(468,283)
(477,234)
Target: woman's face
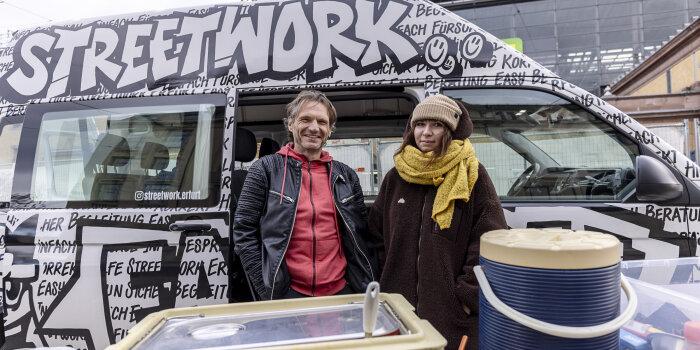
(428,134)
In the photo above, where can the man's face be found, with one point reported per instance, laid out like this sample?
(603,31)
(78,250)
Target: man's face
(311,128)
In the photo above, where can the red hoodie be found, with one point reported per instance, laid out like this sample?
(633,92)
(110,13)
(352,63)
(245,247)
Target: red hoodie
(315,256)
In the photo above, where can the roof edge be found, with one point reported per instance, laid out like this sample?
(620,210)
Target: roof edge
(690,32)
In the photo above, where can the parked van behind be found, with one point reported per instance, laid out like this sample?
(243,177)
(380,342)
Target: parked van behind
(124,142)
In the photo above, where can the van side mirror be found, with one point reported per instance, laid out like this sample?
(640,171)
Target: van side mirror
(655,181)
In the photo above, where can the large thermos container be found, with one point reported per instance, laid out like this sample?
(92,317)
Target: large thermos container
(550,289)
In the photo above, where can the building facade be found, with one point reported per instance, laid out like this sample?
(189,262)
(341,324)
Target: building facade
(664,89)
(587,42)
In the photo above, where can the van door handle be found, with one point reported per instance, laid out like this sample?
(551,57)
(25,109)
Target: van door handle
(190,226)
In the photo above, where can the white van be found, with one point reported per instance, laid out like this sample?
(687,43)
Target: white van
(124,141)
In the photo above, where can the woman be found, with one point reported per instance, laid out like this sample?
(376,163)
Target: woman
(428,217)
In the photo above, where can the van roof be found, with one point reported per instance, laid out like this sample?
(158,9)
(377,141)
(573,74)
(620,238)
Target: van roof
(255,43)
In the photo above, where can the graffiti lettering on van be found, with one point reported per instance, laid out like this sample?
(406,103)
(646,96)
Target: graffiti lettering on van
(11,111)
(509,79)
(691,169)
(443,27)
(538,77)
(557,84)
(428,11)
(6,51)
(618,118)
(12,220)
(75,216)
(683,221)
(134,269)
(510,61)
(646,137)
(5,66)
(413,29)
(668,155)
(275,41)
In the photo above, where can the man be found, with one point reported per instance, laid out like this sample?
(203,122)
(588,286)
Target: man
(301,220)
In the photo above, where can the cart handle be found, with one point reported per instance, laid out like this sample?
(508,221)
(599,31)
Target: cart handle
(370,308)
(557,330)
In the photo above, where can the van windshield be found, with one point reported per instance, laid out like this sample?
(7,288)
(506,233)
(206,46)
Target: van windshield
(539,146)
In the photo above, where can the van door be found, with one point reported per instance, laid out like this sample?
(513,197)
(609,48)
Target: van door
(556,163)
(98,188)
(10,130)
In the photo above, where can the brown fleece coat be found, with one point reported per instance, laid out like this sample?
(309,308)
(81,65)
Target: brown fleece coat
(433,268)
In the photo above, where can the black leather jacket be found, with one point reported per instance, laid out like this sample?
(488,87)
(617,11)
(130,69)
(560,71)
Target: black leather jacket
(263,224)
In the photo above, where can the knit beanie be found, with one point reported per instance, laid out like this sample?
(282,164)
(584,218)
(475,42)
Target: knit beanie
(440,108)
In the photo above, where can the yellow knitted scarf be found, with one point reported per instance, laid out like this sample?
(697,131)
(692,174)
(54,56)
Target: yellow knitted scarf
(454,174)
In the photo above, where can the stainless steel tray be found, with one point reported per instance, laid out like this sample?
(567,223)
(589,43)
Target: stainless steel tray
(265,329)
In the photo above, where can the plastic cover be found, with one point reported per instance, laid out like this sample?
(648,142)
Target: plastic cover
(668,291)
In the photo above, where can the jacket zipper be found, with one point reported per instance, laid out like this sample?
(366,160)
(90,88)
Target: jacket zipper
(420,235)
(294,218)
(345,200)
(290,199)
(313,232)
(352,234)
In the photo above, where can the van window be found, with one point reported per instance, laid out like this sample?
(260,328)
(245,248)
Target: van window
(538,146)
(9,140)
(371,158)
(150,155)
(357,154)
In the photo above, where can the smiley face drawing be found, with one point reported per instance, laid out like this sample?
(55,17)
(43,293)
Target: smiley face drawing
(476,50)
(436,50)
(441,55)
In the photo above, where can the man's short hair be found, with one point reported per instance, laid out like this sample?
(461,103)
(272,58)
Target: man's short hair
(308,96)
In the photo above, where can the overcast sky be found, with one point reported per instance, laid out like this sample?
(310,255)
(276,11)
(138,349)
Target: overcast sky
(18,14)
